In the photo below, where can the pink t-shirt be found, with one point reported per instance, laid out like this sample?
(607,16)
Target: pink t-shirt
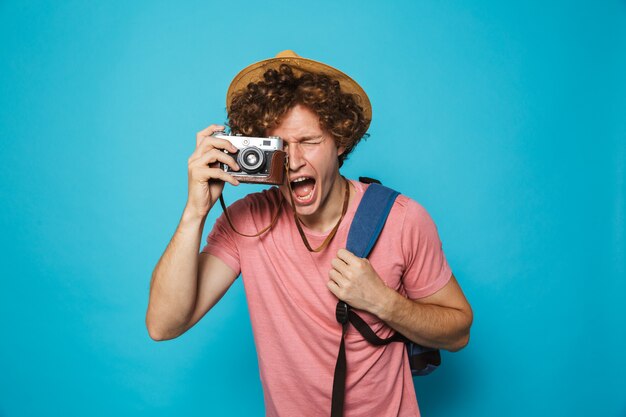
(293,312)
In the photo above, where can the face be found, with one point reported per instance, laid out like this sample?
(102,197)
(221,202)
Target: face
(313,164)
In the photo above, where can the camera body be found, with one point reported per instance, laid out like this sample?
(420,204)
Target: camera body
(261,160)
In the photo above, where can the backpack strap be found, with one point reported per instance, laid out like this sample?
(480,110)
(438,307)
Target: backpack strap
(366,226)
(369,219)
(368,222)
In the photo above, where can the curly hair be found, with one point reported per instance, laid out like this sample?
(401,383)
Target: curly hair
(261,105)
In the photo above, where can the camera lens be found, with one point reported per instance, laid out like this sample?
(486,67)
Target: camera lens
(251,160)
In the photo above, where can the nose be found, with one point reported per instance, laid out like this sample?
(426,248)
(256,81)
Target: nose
(296,160)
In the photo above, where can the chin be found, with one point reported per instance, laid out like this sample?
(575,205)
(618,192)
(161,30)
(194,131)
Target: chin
(306,210)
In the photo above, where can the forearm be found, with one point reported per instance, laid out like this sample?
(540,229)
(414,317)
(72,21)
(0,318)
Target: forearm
(174,285)
(426,324)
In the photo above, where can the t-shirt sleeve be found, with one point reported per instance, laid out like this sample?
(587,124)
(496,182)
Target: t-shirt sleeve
(427,270)
(222,242)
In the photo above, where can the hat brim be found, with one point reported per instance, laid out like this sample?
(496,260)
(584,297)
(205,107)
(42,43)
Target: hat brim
(254,73)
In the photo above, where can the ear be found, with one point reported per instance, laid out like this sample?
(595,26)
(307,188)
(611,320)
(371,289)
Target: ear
(341,150)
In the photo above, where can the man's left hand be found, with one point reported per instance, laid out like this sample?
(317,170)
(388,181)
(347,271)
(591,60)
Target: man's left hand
(354,281)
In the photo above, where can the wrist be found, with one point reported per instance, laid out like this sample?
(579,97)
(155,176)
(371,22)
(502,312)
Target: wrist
(193,217)
(387,304)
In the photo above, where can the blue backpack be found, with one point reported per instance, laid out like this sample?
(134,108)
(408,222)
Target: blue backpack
(368,222)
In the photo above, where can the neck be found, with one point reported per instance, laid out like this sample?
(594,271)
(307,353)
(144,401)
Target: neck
(329,211)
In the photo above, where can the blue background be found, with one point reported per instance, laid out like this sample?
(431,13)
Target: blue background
(507,121)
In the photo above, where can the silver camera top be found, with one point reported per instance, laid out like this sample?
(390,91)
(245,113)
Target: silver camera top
(271,143)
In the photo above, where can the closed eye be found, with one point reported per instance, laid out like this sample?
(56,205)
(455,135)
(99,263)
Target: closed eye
(313,141)
(307,142)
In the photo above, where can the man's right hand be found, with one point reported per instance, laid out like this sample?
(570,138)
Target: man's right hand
(206,178)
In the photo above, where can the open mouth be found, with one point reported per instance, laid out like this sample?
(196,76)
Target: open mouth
(303,189)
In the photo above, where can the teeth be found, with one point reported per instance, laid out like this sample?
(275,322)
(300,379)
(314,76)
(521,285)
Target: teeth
(306,197)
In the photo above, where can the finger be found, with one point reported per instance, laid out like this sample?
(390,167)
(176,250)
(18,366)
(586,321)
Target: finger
(339,265)
(337,278)
(207,132)
(347,256)
(208,174)
(333,287)
(215,155)
(221,175)
(212,143)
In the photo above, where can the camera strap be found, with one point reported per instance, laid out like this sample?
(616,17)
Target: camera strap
(265,229)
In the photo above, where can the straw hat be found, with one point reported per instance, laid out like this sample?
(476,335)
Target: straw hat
(254,73)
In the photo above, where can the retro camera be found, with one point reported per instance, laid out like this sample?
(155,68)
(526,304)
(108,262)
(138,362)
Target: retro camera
(261,160)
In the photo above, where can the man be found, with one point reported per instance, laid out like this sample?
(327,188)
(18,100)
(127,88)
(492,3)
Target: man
(293,280)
